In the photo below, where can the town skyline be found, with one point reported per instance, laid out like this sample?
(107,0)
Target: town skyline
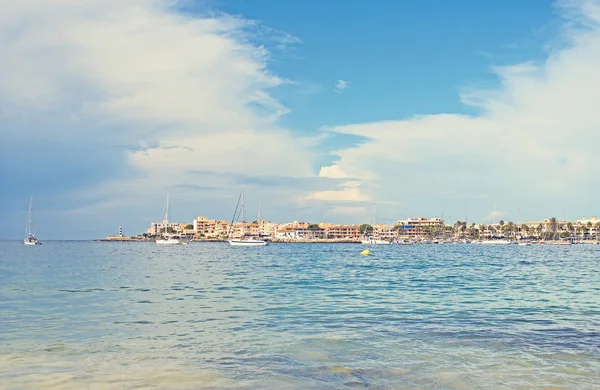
(590,225)
(418,229)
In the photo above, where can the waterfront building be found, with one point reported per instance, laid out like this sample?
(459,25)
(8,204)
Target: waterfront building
(293,230)
(340,232)
(156,229)
(266,228)
(384,232)
(588,227)
(210,228)
(245,228)
(187,230)
(420,227)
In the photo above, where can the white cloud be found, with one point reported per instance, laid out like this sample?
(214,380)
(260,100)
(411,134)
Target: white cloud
(341,85)
(349,184)
(332,172)
(534,143)
(192,91)
(348,194)
(352,211)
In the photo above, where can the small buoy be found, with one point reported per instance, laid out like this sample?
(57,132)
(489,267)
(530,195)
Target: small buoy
(366,252)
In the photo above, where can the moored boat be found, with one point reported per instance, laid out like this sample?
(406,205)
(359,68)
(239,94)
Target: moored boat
(30,238)
(167,238)
(496,242)
(248,241)
(245,239)
(375,241)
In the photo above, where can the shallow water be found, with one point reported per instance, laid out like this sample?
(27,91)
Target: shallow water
(133,315)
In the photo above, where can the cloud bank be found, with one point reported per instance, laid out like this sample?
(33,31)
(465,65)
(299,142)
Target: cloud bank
(108,104)
(533,146)
(144,98)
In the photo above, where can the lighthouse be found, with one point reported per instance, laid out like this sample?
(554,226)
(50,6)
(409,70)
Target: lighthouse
(120,231)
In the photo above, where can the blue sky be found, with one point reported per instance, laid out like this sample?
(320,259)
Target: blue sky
(402,58)
(441,108)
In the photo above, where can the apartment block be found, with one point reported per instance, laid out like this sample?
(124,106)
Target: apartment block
(340,232)
(416,227)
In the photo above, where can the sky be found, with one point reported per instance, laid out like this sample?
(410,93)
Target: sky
(320,111)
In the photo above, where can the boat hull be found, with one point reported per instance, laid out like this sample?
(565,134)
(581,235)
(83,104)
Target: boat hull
(558,243)
(31,243)
(168,242)
(248,242)
(496,242)
(375,242)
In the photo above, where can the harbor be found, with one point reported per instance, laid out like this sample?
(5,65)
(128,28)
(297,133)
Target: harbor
(409,231)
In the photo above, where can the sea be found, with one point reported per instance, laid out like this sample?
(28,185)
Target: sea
(115,315)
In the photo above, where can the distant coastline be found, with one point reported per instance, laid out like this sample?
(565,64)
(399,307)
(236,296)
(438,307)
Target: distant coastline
(275,240)
(411,230)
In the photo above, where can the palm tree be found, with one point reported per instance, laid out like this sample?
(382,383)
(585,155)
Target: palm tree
(504,229)
(365,228)
(431,230)
(581,229)
(525,229)
(399,230)
(313,228)
(553,227)
(511,229)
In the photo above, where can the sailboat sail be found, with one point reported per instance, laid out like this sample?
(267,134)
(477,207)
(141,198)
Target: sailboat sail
(30,238)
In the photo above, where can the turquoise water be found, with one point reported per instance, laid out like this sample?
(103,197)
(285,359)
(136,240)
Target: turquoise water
(100,315)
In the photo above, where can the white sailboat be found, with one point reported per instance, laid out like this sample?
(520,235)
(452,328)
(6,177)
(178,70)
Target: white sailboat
(245,239)
(167,239)
(371,240)
(30,238)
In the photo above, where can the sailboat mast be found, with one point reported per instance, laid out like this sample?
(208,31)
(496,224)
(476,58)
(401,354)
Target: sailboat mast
(258,216)
(258,219)
(166,221)
(235,215)
(243,219)
(168,199)
(29,218)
